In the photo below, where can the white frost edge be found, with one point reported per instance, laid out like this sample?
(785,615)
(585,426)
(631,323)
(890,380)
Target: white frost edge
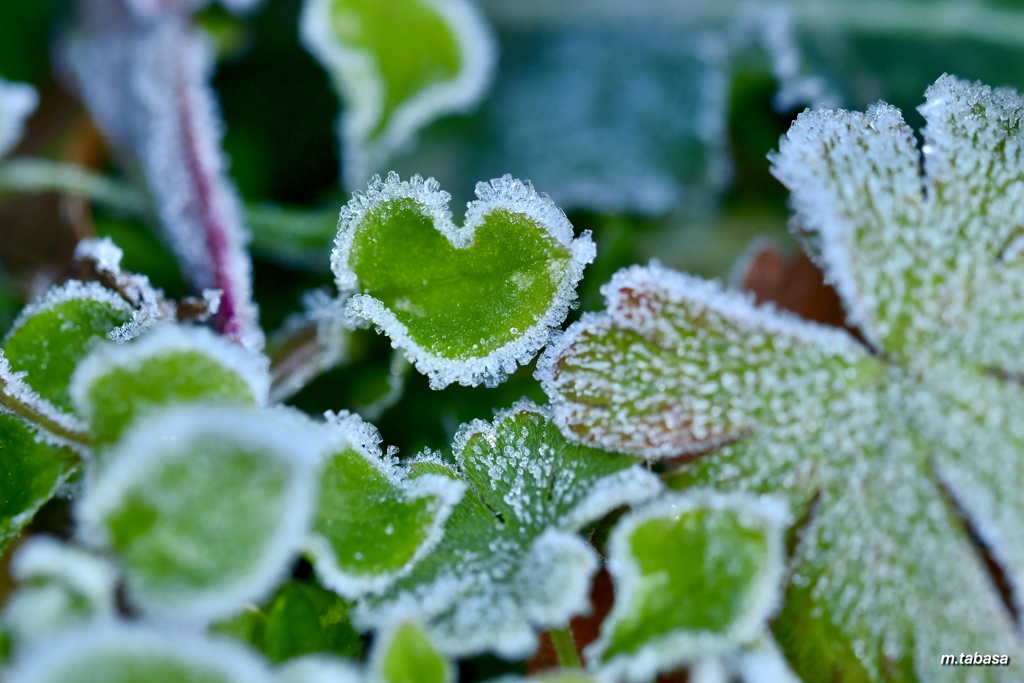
(320,668)
(349,431)
(17,102)
(675,649)
(44,557)
(72,290)
(764,663)
(675,288)
(13,384)
(816,209)
(506,194)
(226,658)
(327,314)
(162,436)
(168,339)
(384,643)
(149,302)
(356,75)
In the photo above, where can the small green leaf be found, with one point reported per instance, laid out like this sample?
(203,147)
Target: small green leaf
(59,586)
(205,506)
(397,68)
(302,618)
(695,575)
(31,472)
(405,655)
(123,653)
(116,384)
(372,525)
(51,335)
(17,101)
(510,562)
(466,304)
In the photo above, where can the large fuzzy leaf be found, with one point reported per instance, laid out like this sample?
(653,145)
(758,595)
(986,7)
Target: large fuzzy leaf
(853,441)
(510,562)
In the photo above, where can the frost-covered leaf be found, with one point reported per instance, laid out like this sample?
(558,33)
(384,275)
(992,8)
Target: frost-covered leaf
(466,304)
(556,676)
(926,266)
(60,586)
(510,562)
(405,654)
(124,653)
(696,575)
(205,506)
(52,334)
(17,101)
(301,619)
(117,383)
(851,439)
(146,82)
(373,524)
(397,68)
(31,473)
(321,669)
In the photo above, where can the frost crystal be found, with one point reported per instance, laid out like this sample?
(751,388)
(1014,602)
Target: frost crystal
(885,456)
(146,83)
(466,304)
(17,101)
(510,562)
(442,66)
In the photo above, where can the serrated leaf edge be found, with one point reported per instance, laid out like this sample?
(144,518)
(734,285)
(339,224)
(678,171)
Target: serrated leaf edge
(505,193)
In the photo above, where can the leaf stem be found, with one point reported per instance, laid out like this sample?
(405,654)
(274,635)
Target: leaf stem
(43,175)
(565,647)
(37,418)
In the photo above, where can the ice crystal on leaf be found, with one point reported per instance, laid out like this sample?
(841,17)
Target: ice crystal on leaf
(510,562)
(466,304)
(896,455)
(17,101)
(373,523)
(397,69)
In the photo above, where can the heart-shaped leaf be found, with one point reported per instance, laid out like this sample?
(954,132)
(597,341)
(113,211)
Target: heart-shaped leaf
(696,575)
(405,654)
(17,101)
(510,562)
(372,524)
(117,383)
(249,472)
(124,653)
(465,304)
(398,68)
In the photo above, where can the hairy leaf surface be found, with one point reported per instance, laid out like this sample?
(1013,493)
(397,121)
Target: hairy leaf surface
(510,562)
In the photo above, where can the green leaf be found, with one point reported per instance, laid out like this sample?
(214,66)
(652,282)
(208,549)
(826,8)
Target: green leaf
(510,562)
(405,654)
(465,304)
(32,473)
(118,383)
(123,653)
(907,456)
(52,334)
(372,524)
(302,618)
(17,101)
(696,575)
(251,474)
(397,69)
(59,586)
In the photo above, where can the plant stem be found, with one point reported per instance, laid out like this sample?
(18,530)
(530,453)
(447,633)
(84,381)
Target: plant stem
(43,175)
(565,647)
(26,412)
